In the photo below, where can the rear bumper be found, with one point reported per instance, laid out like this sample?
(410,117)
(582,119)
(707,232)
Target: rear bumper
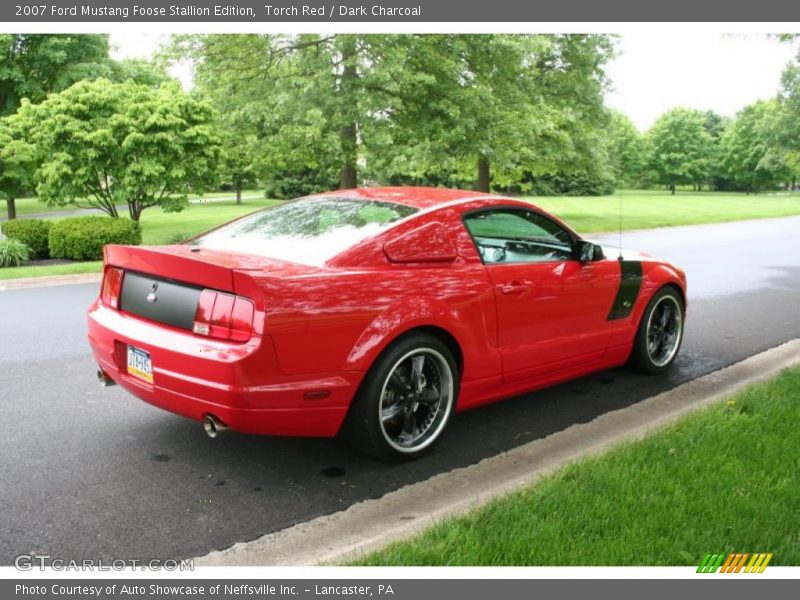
(240,384)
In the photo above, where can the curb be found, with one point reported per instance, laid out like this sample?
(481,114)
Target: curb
(371,525)
(50,280)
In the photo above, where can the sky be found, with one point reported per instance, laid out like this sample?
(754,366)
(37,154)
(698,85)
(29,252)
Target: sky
(653,72)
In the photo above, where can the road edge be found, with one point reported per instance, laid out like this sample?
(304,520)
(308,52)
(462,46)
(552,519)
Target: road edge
(372,524)
(20,283)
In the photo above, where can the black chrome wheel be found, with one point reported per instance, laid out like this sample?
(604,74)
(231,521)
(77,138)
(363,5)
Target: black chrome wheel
(660,333)
(664,330)
(405,400)
(415,400)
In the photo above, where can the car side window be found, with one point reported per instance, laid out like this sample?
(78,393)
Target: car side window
(509,235)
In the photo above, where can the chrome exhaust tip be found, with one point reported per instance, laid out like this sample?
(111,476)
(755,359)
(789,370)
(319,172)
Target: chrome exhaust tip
(104,379)
(213,426)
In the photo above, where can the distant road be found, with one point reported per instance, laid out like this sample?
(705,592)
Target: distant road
(122,208)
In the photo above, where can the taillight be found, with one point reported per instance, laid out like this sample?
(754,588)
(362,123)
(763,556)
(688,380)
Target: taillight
(223,316)
(112,285)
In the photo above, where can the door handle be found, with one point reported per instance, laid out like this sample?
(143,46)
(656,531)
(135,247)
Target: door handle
(514,287)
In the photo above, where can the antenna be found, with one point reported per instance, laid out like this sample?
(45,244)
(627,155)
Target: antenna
(620,225)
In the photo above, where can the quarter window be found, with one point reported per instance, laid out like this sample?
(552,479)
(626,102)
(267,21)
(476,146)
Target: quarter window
(518,236)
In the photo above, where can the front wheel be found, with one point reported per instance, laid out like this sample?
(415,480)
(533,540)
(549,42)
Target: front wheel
(406,399)
(660,333)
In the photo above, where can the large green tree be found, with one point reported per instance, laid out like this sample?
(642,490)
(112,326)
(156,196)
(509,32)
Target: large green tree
(314,100)
(33,65)
(785,128)
(471,106)
(497,110)
(408,108)
(681,148)
(745,149)
(101,144)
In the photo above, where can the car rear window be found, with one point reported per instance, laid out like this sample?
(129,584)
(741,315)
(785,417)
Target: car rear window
(308,231)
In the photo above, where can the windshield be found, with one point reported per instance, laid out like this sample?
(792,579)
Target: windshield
(308,231)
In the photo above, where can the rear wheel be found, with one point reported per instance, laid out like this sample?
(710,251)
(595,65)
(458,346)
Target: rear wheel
(660,333)
(406,399)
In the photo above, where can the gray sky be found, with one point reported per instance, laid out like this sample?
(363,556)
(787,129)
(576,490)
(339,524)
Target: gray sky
(654,72)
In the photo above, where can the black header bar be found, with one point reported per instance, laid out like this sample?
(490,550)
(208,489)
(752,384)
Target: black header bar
(404,11)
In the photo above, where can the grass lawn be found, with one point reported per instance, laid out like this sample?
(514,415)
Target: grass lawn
(646,209)
(46,270)
(720,480)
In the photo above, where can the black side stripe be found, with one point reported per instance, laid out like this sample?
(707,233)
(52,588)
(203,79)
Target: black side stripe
(629,284)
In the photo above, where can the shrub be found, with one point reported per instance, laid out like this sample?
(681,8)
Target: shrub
(83,238)
(179,238)
(13,253)
(293,184)
(31,232)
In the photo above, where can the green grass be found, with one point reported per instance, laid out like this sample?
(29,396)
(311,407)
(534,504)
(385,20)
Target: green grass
(646,209)
(724,479)
(46,270)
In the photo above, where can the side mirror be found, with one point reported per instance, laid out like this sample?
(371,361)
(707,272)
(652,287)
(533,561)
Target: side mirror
(589,252)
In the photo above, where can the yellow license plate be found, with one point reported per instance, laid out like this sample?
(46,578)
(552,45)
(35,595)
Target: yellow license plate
(139,364)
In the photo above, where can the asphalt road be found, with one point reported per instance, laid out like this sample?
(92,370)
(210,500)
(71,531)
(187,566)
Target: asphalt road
(87,472)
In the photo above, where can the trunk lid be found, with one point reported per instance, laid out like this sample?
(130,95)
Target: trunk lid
(164,283)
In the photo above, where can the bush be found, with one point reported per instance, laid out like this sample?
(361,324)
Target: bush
(83,238)
(293,184)
(572,184)
(33,233)
(13,253)
(179,238)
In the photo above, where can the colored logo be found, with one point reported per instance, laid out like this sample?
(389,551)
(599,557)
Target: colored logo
(734,563)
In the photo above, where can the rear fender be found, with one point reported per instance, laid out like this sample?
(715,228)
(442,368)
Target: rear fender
(408,314)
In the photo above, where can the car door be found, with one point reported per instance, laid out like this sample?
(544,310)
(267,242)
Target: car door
(551,309)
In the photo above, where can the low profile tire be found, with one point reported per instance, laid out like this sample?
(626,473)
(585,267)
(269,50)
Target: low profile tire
(405,400)
(660,333)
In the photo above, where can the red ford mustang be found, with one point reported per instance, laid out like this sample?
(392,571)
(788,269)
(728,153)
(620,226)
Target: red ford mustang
(376,313)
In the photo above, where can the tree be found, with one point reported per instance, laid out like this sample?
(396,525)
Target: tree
(240,160)
(34,65)
(101,144)
(314,98)
(446,108)
(472,107)
(139,71)
(745,150)
(680,148)
(627,150)
(716,125)
(499,110)
(784,128)
(16,164)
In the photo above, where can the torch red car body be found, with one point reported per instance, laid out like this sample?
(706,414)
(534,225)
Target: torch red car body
(291,343)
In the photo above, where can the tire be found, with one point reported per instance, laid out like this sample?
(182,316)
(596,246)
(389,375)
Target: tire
(660,333)
(405,401)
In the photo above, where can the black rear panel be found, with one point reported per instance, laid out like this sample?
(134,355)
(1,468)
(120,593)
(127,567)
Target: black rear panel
(159,300)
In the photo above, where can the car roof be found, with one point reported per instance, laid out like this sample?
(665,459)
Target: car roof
(417,197)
